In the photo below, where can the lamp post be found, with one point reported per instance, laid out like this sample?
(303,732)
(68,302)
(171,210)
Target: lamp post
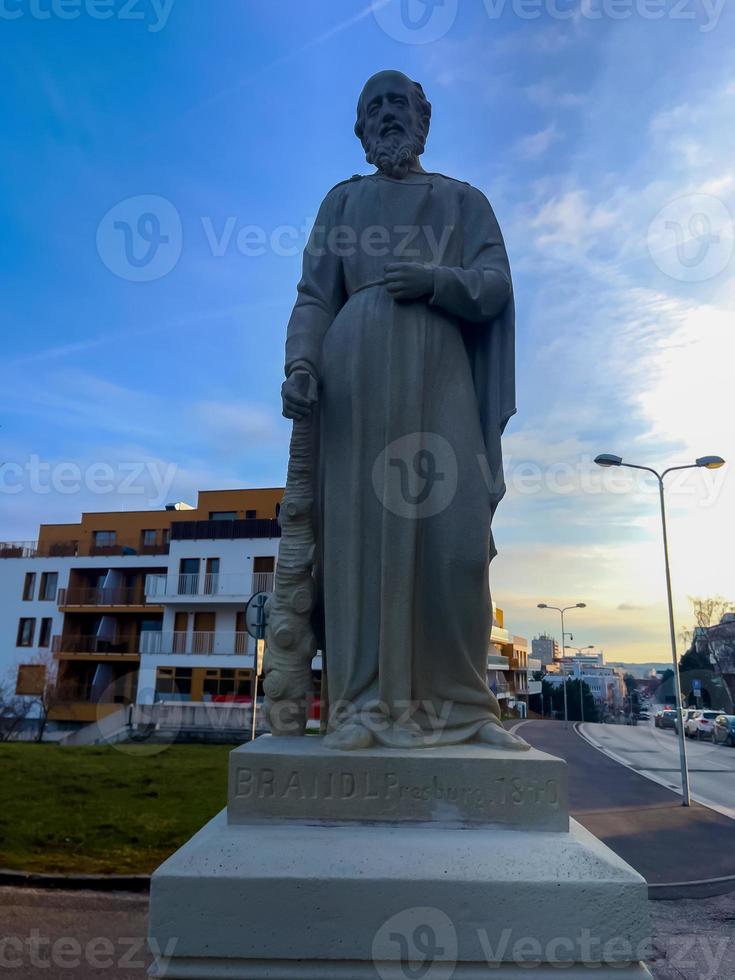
(704,462)
(561,611)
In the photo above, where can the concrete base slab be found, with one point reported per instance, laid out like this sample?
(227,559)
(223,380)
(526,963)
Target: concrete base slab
(318,900)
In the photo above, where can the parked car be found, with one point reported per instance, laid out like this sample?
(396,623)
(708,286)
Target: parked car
(724,730)
(701,724)
(643,715)
(688,715)
(666,718)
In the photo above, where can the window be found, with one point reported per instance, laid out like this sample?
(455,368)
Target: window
(26,629)
(264,563)
(104,539)
(189,576)
(49,582)
(222,515)
(250,515)
(44,634)
(167,535)
(263,567)
(29,586)
(149,537)
(226,684)
(211,577)
(174,682)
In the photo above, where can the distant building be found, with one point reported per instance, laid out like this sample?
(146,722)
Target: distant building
(606,684)
(508,665)
(545,648)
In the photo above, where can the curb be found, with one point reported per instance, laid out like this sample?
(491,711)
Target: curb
(96,883)
(670,891)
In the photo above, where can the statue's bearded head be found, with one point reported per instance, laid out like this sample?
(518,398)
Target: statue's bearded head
(393,117)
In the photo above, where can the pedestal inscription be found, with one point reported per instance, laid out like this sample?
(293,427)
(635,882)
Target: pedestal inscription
(301,779)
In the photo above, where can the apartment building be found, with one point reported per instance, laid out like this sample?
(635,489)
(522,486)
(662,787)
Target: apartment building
(140,606)
(148,607)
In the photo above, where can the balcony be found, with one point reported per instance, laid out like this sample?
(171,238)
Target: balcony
(101,596)
(94,646)
(211,530)
(499,635)
(209,587)
(30,549)
(210,642)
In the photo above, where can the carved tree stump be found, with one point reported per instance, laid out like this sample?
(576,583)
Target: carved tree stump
(290,639)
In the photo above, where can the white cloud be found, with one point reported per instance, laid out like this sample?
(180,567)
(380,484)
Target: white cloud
(535,145)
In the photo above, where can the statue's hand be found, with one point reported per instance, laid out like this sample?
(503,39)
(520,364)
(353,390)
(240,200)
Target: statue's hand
(299,394)
(409,280)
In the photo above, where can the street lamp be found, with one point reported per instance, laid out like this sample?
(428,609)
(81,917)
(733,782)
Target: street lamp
(561,611)
(704,462)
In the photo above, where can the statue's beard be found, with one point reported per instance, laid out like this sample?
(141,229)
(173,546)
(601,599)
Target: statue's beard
(393,154)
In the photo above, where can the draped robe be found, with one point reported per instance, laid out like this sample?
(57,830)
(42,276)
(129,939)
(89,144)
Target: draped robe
(410,392)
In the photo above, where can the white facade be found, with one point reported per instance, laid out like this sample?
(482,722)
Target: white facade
(186,595)
(14,608)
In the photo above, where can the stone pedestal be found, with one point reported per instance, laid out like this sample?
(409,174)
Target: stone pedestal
(452,862)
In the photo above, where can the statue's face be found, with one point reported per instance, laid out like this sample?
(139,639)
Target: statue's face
(390,112)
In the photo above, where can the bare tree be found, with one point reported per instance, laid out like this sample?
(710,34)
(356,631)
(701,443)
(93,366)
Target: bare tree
(707,613)
(52,691)
(13,712)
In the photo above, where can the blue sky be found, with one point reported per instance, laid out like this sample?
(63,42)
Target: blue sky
(598,140)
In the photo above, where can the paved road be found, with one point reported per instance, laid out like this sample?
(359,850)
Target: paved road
(654,752)
(48,935)
(640,820)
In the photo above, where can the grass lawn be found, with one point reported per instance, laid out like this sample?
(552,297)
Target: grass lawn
(101,810)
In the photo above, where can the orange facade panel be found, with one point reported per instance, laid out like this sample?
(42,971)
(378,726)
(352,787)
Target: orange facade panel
(147,531)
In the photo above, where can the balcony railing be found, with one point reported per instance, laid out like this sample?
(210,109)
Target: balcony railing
(208,584)
(263,581)
(101,596)
(209,530)
(161,548)
(31,549)
(216,642)
(95,645)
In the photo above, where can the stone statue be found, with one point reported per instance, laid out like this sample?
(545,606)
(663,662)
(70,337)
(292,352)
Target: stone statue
(400,379)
